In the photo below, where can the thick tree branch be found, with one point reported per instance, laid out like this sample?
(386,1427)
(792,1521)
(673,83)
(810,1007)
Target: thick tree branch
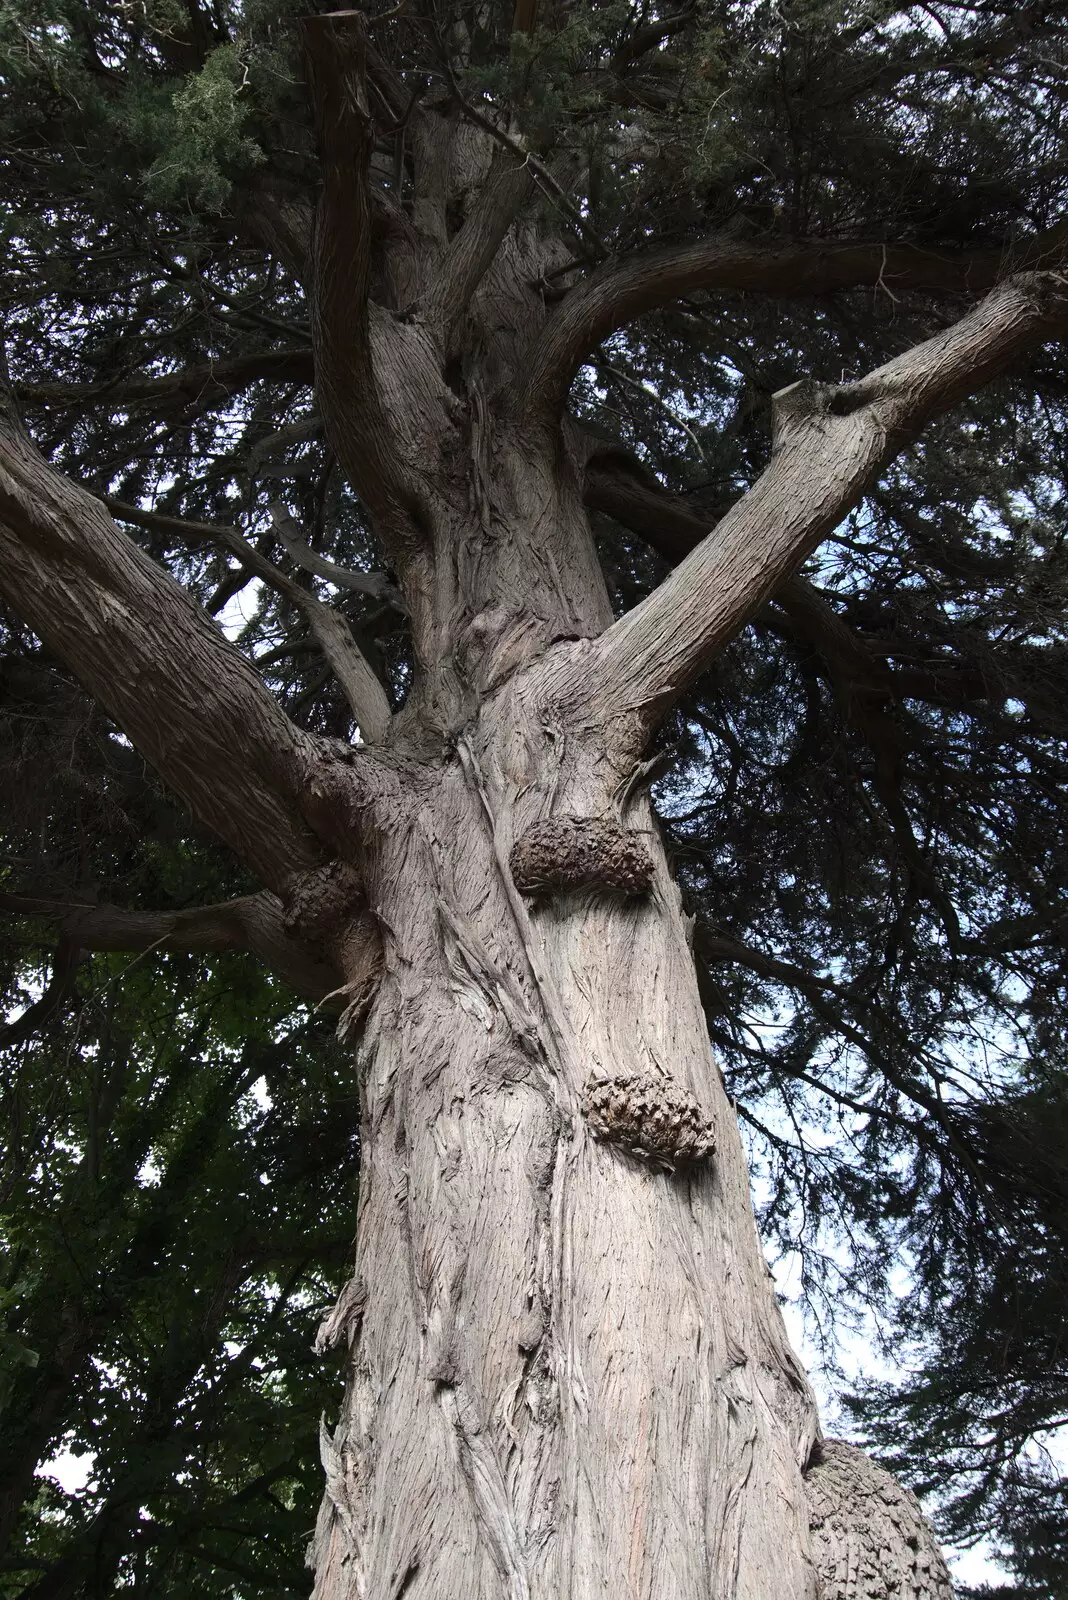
(432,139)
(255,922)
(210,382)
(331,632)
(622,487)
(155,661)
(673,526)
(829,443)
(355,416)
(869,689)
(508,188)
(866,689)
(631,285)
(400,99)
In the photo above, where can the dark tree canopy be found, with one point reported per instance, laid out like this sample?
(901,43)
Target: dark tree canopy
(863,795)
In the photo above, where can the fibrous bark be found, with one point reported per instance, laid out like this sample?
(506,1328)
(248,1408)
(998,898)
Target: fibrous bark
(587,1350)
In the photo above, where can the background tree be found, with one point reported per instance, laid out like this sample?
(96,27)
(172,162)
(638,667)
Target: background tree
(165,1237)
(773,245)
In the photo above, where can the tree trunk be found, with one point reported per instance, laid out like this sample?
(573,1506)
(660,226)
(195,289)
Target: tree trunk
(568,1374)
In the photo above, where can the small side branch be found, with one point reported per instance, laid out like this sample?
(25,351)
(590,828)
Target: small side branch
(830,442)
(647,36)
(838,1007)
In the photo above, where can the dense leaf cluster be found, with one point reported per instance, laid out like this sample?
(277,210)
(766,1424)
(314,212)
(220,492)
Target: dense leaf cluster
(865,796)
(179,1168)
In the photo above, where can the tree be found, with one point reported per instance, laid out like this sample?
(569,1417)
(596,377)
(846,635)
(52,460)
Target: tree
(175,1204)
(178,1158)
(567,1371)
(992,1381)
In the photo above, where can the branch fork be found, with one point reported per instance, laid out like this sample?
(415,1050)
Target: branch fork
(830,443)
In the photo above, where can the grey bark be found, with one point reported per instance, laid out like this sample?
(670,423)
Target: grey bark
(584,1343)
(579,1330)
(582,1340)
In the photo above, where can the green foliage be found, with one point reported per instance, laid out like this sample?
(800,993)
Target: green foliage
(179,1168)
(204,140)
(989,1382)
